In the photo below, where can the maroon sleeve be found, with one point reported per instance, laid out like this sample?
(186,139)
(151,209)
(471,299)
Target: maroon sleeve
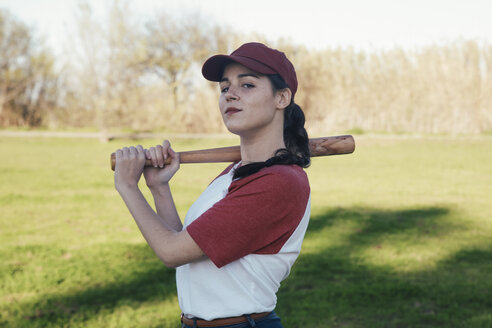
(257,216)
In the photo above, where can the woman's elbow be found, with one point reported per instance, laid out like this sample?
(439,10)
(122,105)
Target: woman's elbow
(172,264)
(179,250)
(169,260)
(173,260)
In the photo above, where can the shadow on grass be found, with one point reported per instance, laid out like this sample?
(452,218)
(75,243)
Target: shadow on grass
(334,286)
(137,276)
(330,285)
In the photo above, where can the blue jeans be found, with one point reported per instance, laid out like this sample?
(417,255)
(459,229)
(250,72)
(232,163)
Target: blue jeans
(270,321)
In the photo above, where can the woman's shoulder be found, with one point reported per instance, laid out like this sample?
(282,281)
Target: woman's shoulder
(278,177)
(286,171)
(288,175)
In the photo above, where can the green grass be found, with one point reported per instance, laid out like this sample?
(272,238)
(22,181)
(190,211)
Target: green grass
(400,236)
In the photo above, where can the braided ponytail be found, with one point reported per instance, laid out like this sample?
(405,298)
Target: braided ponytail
(295,138)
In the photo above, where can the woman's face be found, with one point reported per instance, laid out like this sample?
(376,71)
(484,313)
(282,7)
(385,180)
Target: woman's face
(247,102)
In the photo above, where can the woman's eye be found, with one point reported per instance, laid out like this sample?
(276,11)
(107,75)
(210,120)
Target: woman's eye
(244,85)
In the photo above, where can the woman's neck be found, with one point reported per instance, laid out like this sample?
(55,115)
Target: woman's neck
(259,148)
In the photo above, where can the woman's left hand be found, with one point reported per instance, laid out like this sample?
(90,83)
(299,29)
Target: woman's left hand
(130,162)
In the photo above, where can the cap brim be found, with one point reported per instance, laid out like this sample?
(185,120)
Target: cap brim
(213,68)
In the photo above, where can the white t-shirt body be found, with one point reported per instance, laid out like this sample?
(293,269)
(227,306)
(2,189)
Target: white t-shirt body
(251,230)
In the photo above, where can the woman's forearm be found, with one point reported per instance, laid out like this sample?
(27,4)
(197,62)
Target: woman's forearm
(165,207)
(173,247)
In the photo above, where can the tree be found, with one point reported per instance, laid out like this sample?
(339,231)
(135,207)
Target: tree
(27,78)
(173,47)
(105,67)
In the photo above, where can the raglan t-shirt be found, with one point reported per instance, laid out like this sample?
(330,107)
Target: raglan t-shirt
(251,230)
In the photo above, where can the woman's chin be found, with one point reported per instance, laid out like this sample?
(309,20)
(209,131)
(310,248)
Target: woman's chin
(235,128)
(235,131)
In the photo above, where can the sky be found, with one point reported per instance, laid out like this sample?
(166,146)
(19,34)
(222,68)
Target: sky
(362,24)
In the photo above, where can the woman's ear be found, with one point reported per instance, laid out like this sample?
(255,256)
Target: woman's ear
(283,98)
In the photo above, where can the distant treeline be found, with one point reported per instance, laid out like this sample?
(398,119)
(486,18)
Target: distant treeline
(123,72)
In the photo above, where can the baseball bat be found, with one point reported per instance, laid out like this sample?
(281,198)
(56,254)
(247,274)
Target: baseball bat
(324,146)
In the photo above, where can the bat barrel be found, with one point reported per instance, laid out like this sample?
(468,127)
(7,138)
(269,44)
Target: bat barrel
(336,145)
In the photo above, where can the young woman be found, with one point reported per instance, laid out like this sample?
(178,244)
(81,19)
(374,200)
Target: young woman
(241,237)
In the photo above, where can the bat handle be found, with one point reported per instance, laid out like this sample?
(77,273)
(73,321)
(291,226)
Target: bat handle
(214,155)
(148,162)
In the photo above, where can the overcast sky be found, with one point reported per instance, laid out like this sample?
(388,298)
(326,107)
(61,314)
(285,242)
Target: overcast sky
(364,24)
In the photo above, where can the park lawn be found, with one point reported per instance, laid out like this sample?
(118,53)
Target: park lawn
(400,236)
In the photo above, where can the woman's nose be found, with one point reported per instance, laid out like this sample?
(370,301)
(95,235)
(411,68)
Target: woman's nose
(231,94)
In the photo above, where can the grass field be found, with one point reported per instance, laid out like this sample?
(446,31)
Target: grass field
(400,236)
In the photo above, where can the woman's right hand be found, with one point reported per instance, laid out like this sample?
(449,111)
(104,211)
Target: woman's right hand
(159,174)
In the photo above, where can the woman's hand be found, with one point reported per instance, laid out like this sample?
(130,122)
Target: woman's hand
(129,166)
(160,174)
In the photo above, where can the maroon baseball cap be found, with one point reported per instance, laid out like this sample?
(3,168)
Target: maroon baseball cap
(257,57)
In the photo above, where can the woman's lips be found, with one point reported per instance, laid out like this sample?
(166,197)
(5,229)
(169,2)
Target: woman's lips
(232,110)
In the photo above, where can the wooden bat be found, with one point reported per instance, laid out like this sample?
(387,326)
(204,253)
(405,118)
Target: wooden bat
(324,146)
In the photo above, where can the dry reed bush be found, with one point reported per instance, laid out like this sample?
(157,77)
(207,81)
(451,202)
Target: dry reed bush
(438,89)
(202,115)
